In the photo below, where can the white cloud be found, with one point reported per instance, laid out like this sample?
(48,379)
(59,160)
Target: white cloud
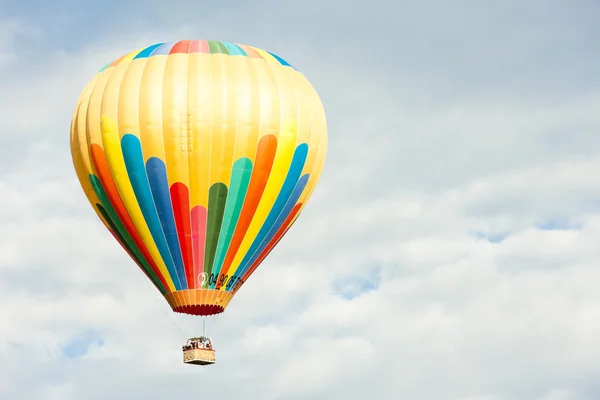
(10,33)
(415,184)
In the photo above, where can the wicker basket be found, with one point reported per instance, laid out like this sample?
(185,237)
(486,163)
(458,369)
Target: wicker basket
(199,356)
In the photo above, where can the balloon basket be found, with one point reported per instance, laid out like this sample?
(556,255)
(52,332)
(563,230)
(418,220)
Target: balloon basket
(199,357)
(198,351)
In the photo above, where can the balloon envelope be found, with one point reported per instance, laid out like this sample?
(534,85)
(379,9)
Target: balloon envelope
(198,156)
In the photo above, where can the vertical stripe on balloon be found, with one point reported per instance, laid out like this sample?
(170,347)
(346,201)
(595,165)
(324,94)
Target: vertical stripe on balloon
(147,51)
(182,46)
(159,185)
(289,221)
(240,179)
(113,220)
(129,250)
(279,222)
(217,47)
(265,155)
(217,197)
(234,49)
(199,46)
(180,197)
(134,163)
(198,239)
(163,50)
(107,183)
(286,191)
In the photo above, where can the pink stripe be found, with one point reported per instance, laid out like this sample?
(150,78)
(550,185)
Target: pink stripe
(199,46)
(198,239)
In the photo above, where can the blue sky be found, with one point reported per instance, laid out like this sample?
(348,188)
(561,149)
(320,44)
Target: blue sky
(450,251)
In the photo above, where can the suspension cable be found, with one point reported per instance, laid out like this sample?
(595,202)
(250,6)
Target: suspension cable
(169,315)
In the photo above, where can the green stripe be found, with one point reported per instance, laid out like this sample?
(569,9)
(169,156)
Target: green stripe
(113,219)
(240,179)
(217,197)
(217,47)
(122,240)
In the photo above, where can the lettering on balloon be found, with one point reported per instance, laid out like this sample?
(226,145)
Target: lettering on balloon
(220,280)
(234,282)
(202,278)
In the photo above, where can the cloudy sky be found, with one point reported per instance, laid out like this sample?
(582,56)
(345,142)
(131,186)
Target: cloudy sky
(450,251)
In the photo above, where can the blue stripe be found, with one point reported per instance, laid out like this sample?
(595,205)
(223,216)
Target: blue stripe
(159,184)
(134,162)
(281,60)
(164,49)
(147,51)
(285,193)
(280,220)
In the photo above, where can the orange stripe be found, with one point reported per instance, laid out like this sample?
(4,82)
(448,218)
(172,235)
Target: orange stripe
(113,196)
(117,61)
(278,236)
(265,155)
(251,52)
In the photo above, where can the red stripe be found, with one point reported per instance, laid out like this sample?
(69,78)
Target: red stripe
(265,155)
(180,198)
(287,224)
(181,47)
(114,198)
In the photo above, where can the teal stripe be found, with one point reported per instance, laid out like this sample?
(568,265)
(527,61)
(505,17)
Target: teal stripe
(106,66)
(234,49)
(240,179)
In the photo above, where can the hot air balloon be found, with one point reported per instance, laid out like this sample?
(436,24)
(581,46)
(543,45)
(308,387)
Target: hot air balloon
(198,156)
